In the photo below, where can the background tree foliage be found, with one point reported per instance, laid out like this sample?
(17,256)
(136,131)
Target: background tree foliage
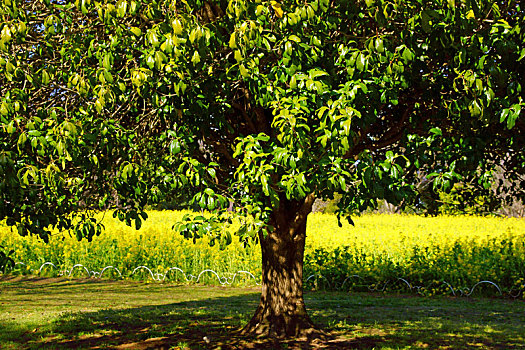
(264,104)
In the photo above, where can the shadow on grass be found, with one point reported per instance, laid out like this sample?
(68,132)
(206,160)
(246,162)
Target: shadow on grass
(206,320)
(203,324)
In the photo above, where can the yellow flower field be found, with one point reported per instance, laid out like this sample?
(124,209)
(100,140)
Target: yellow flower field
(432,254)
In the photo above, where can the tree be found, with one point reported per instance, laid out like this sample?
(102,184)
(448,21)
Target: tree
(264,105)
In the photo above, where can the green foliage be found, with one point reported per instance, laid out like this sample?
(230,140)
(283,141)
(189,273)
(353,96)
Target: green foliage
(434,269)
(6,260)
(119,105)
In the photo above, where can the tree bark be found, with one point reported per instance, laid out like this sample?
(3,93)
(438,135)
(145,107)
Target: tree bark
(281,311)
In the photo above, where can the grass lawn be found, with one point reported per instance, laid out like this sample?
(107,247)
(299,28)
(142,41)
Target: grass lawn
(51,313)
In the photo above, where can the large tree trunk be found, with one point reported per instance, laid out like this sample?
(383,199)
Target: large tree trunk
(281,311)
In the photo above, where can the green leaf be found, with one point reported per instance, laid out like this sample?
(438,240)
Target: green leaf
(98,106)
(504,114)
(153,38)
(202,202)
(263,137)
(513,116)
(196,58)
(45,77)
(136,31)
(212,173)
(150,61)
(175,147)
(293,82)
(265,187)
(315,73)
(177,26)
(394,172)
(379,45)
(21,140)
(211,203)
(168,45)
(106,62)
(479,85)
(3,109)
(294,38)
(522,54)
(9,67)
(436,131)
(426,22)
(159,59)
(11,128)
(347,126)
(407,55)
(475,108)
(108,76)
(310,84)
(238,56)
(360,62)
(232,44)
(121,8)
(293,165)
(288,48)
(244,72)
(195,34)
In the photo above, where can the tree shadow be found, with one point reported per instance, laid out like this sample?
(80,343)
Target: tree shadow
(352,321)
(203,324)
(399,321)
(57,285)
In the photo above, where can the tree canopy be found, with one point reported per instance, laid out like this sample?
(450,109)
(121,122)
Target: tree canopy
(263,106)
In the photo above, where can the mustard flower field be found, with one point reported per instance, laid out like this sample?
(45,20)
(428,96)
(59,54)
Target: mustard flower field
(449,255)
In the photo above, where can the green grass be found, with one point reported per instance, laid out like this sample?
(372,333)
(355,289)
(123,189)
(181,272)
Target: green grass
(56,313)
